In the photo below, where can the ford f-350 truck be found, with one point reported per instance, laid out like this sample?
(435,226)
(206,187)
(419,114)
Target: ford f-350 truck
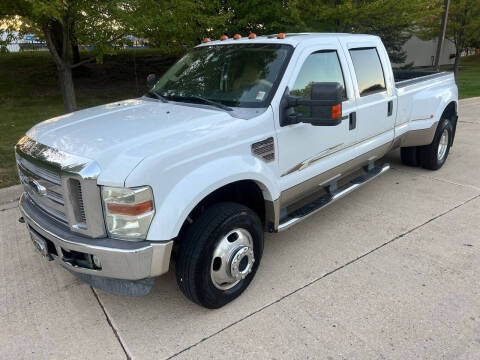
(239,137)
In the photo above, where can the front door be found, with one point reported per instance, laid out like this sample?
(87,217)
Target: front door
(305,151)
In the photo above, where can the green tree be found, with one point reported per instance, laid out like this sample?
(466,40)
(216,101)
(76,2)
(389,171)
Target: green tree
(260,17)
(463,26)
(392,20)
(177,25)
(172,25)
(64,25)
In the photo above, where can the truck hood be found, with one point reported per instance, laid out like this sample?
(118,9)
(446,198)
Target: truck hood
(119,135)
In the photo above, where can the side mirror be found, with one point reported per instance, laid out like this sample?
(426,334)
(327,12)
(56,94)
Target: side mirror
(151,81)
(325,105)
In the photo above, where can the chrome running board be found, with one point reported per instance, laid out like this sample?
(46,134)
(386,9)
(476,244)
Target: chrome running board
(327,199)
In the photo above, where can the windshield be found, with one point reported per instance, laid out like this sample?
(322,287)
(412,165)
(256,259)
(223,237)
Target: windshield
(244,75)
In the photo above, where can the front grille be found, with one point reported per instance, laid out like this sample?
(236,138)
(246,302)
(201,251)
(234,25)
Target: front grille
(44,187)
(47,174)
(61,186)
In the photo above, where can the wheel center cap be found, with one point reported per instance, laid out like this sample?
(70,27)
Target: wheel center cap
(242,262)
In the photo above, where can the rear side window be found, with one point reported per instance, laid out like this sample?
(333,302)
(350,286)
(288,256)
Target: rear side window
(368,70)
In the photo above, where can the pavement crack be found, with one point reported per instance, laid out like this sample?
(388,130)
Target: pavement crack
(115,332)
(8,206)
(324,276)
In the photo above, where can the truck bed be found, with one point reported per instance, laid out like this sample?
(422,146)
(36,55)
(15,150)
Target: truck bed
(409,77)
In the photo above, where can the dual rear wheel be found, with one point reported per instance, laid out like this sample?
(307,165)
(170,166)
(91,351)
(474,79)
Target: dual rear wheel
(431,156)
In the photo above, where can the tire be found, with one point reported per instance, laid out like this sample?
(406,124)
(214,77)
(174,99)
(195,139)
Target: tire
(229,231)
(431,156)
(410,156)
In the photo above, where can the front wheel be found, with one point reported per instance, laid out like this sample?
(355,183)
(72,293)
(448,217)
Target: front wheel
(219,254)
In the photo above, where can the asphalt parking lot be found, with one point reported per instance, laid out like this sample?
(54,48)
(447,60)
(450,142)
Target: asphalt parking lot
(391,271)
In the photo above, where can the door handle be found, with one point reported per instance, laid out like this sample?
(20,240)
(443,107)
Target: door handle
(352,120)
(390,108)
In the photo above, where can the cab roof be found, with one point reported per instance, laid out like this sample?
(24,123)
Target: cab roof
(290,38)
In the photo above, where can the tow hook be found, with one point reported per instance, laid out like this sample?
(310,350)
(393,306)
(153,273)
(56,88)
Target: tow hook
(21,220)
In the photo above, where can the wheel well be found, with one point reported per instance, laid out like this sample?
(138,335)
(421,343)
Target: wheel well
(245,192)
(450,111)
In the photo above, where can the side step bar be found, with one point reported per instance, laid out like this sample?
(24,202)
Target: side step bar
(325,200)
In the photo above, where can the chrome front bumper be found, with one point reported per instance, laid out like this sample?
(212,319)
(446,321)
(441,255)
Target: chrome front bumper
(119,259)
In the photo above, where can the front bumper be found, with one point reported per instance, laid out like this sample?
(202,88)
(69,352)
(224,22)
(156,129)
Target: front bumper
(119,259)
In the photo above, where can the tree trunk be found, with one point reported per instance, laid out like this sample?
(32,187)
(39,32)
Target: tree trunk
(75,53)
(67,89)
(441,37)
(58,41)
(456,63)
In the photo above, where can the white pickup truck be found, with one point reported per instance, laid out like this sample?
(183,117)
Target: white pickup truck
(240,136)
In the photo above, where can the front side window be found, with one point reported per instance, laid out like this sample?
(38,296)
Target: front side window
(368,70)
(320,66)
(234,75)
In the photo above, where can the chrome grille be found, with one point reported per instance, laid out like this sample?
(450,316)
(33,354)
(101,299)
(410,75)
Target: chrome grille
(62,185)
(46,174)
(264,149)
(44,188)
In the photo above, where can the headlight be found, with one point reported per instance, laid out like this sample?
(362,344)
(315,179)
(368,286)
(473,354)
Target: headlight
(128,211)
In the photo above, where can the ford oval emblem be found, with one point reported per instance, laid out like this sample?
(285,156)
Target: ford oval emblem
(37,187)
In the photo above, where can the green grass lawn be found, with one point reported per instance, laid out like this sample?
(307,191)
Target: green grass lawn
(29,90)
(469,77)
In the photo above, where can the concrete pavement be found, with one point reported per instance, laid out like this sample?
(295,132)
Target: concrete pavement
(391,271)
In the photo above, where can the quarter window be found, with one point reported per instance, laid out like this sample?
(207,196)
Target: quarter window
(368,70)
(321,66)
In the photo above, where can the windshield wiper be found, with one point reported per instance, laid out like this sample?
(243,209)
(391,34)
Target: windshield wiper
(207,101)
(157,96)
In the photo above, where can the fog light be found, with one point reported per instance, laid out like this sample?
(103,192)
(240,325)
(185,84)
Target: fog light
(96,261)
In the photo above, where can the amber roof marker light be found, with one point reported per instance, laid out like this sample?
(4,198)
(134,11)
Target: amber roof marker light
(237,36)
(223,37)
(281,36)
(206,40)
(252,36)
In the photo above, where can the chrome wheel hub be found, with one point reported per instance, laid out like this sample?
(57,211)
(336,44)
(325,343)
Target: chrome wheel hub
(242,263)
(232,260)
(442,145)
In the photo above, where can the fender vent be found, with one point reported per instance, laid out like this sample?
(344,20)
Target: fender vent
(264,149)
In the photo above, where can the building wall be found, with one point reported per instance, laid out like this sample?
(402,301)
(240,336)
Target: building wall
(422,53)
(14,47)
(22,41)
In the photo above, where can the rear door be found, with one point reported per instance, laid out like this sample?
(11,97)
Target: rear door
(374,93)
